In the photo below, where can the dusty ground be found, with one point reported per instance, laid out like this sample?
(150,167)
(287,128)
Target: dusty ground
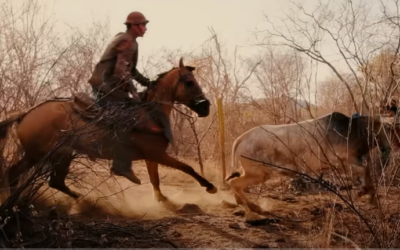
(117,213)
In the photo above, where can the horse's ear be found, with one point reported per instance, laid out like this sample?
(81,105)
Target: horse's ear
(190,68)
(181,63)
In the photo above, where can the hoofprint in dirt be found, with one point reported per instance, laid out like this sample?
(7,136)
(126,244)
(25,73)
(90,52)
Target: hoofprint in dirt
(199,219)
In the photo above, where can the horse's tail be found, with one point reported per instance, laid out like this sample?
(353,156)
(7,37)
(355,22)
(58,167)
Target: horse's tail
(5,130)
(5,126)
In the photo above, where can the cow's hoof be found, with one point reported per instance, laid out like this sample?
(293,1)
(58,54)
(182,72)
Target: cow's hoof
(373,200)
(212,189)
(250,216)
(255,208)
(367,190)
(227,204)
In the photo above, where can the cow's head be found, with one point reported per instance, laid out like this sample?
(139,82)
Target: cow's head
(388,107)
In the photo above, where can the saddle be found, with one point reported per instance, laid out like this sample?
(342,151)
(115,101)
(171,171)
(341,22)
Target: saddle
(134,116)
(85,106)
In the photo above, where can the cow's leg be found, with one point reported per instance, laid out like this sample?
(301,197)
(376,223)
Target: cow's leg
(152,169)
(239,200)
(348,174)
(368,185)
(239,183)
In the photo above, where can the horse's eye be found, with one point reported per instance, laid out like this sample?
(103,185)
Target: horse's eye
(189,83)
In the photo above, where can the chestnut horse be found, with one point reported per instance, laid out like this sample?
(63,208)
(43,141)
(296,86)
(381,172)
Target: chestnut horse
(57,128)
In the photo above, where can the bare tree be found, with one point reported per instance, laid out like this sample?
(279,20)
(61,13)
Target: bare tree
(36,62)
(346,32)
(282,79)
(333,96)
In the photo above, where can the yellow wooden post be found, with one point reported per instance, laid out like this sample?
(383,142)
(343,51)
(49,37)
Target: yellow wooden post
(221,137)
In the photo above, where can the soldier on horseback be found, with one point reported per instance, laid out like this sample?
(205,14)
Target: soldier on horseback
(111,81)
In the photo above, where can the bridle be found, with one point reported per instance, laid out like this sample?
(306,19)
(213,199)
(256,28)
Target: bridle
(182,79)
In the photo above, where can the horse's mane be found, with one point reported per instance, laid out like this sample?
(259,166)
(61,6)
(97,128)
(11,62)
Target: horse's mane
(161,75)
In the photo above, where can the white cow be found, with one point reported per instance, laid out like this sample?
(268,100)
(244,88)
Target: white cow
(333,140)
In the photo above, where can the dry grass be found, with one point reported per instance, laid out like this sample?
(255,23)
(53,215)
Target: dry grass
(114,210)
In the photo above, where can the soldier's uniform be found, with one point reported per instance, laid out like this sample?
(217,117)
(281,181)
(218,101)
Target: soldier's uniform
(111,81)
(110,75)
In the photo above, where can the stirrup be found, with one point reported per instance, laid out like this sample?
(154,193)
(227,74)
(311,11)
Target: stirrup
(129,175)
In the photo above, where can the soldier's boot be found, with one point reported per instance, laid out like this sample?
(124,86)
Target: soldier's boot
(122,162)
(123,168)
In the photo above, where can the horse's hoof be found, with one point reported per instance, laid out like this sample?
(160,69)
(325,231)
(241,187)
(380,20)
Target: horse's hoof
(212,189)
(161,198)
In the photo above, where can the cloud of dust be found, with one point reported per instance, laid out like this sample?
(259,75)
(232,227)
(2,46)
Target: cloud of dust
(120,198)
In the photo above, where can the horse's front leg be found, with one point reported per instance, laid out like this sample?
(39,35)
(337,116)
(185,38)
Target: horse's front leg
(167,160)
(152,169)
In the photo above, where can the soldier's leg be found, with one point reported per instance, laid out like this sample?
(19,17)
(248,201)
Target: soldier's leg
(122,162)
(99,98)
(123,155)
(154,120)
(159,116)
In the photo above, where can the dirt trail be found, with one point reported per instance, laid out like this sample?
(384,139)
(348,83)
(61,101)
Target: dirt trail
(301,219)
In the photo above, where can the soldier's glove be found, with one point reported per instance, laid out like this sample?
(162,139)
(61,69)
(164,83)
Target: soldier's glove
(135,96)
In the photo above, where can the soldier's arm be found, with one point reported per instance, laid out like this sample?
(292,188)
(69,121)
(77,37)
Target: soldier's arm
(144,81)
(121,73)
(132,89)
(121,70)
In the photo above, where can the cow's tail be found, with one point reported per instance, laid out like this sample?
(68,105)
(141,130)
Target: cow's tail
(234,159)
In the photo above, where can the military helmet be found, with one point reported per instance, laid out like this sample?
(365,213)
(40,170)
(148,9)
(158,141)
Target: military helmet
(136,18)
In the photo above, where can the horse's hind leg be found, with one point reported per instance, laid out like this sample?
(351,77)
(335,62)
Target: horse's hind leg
(167,160)
(59,172)
(152,169)
(16,170)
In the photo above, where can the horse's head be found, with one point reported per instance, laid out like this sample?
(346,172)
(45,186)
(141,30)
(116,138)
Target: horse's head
(180,86)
